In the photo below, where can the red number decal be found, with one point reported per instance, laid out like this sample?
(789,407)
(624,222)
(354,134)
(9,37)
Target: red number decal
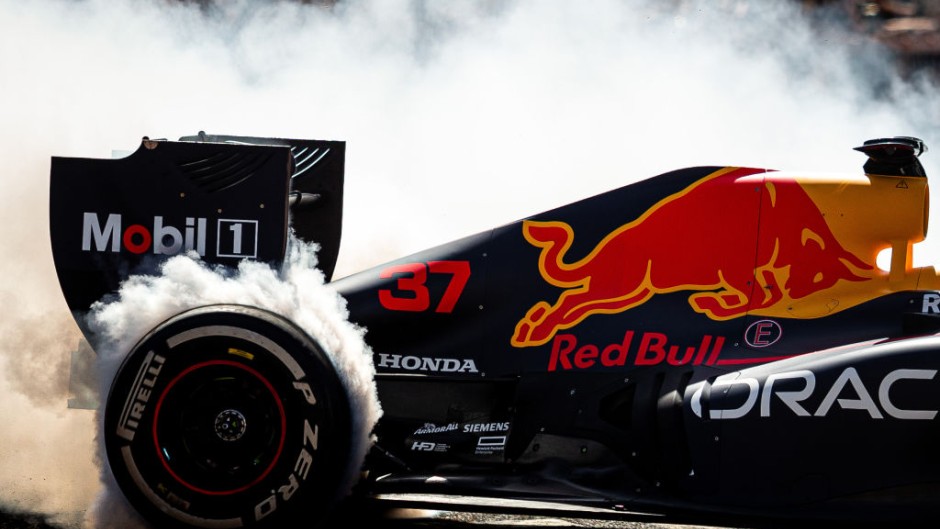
(459,275)
(411,278)
(411,292)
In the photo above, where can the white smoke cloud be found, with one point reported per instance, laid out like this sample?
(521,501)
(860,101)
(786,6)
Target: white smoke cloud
(296,292)
(458,116)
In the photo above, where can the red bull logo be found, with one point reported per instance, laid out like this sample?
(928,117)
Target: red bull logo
(653,349)
(740,240)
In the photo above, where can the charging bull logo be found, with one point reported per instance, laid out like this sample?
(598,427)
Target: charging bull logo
(701,239)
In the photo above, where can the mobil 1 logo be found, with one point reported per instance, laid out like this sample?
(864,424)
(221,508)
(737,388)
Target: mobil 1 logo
(112,233)
(237,238)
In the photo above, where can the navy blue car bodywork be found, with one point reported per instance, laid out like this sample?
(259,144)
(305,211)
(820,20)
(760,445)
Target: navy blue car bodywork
(714,341)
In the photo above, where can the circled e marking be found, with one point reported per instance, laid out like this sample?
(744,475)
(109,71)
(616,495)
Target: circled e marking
(763,333)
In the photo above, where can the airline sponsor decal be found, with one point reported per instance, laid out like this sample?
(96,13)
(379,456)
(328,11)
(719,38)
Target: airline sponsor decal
(700,240)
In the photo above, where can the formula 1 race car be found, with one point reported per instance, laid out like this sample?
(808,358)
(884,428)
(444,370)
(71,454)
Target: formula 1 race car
(710,343)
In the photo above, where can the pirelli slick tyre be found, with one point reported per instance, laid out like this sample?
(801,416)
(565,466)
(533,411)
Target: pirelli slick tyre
(228,416)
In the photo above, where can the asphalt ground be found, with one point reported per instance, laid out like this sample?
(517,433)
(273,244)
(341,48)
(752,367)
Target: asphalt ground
(410,519)
(378,515)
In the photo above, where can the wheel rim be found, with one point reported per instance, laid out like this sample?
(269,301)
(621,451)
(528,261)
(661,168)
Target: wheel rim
(219,427)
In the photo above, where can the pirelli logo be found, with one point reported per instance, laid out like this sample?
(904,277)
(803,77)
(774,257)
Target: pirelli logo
(139,395)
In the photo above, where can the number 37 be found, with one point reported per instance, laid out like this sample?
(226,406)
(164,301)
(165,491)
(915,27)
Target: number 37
(411,293)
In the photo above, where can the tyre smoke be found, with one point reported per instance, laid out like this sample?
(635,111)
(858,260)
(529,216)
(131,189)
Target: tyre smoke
(297,292)
(459,116)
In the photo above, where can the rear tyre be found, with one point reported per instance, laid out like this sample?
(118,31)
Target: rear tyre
(229,416)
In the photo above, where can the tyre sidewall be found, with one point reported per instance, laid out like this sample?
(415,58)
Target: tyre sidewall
(295,480)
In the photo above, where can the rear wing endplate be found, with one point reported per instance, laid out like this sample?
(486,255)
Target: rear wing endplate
(226,198)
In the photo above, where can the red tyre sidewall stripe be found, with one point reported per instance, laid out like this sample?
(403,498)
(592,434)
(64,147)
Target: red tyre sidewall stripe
(280,447)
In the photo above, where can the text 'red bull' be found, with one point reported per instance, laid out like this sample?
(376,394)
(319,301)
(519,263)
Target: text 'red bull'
(739,239)
(653,348)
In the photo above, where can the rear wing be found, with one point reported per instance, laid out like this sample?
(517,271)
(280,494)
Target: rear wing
(226,198)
